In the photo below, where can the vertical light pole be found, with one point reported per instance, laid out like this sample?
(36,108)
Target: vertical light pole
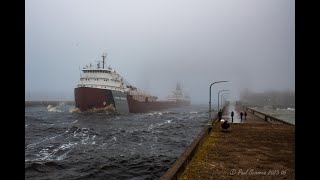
(210,97)
(218,96)
(221,98)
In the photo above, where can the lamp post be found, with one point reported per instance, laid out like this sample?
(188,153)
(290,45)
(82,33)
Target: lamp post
(218,96)
(221,98)
(210,97)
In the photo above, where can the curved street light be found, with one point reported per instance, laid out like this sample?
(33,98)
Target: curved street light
(218,96)
(222,97)
(210,96)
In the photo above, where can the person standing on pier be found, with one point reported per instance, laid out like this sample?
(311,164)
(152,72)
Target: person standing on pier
(232,114)
(241,114)
(245,115)
(220,115)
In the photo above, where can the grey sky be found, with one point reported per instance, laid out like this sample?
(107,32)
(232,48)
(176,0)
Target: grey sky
(154,44)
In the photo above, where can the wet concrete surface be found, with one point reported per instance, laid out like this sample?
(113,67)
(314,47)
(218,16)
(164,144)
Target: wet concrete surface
(251,149)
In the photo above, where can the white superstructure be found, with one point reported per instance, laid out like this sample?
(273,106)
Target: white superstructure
(107,78)
(101,77)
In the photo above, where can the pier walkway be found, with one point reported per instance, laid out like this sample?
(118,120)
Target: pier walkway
(251,149)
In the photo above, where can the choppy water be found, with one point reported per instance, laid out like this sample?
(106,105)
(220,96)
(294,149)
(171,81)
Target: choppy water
(286,114)
(60,144)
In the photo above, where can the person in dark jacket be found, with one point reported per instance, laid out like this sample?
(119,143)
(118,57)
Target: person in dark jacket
(232,114)
(220,115)
(245,115)
(241,114)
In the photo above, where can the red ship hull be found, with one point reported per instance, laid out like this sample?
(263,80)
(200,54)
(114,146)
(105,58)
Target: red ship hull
(142,107)
(88,98)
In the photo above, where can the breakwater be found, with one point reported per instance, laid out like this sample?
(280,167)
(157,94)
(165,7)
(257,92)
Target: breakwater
(46,103)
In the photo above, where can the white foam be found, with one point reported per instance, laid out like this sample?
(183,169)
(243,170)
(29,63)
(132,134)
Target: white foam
(74,121)
(63,156)
(84,141)
(44,139)
(168,121)
(153,126)
(44,153)
(51,108)
(72,110)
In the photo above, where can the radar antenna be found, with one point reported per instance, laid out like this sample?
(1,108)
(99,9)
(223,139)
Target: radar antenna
(104,55)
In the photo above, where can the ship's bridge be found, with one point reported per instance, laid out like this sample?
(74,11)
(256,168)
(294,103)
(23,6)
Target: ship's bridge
(102,78)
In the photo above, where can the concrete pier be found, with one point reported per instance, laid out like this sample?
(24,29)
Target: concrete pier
(249,149)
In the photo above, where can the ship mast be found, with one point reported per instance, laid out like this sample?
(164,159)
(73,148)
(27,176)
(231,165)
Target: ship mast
(104,55)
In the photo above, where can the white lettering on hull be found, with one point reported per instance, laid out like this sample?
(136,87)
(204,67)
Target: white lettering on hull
(120,98)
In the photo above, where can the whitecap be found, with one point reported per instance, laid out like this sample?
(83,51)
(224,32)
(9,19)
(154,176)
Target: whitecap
(74,121)
(51,108)
(193,112)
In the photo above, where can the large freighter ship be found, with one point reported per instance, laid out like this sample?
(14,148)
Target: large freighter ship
(102,88)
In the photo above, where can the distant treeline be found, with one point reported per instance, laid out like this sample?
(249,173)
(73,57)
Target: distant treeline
(279,99)
(46,103)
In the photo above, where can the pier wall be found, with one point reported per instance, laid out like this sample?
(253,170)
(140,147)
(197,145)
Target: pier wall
(266,117)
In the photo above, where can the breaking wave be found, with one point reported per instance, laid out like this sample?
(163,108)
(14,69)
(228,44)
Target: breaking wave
(57,108)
